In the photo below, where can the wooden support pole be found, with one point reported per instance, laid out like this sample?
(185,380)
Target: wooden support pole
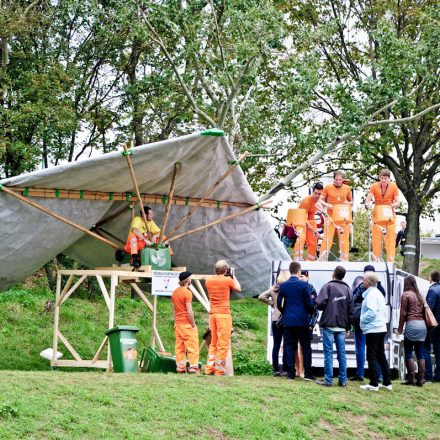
(111,315)
(101,347)
(104,291)
(66,295)
(208,193)
(50,193)
(142,296)
(136,187)
(169,199)
(153,323)
(69,347)
(56,319)
(58,217)
(100,231)
(199,297)
(221,220)
(202,292)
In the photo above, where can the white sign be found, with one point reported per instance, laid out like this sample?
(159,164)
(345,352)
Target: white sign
(164,282)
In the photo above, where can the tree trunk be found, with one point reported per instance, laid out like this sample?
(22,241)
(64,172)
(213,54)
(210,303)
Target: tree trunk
(412,247)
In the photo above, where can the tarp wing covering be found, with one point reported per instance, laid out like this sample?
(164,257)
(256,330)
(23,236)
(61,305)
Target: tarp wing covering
(29,238)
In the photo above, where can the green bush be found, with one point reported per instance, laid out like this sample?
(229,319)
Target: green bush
(246,362)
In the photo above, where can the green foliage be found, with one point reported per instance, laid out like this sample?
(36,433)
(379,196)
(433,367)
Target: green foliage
(361,231)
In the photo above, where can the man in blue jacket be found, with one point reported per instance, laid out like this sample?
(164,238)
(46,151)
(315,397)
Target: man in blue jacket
(295,303)
(433,338)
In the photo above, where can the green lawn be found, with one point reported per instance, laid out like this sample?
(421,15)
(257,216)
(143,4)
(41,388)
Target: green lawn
(66,405)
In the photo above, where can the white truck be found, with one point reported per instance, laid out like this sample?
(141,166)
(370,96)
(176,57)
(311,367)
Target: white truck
(392,281)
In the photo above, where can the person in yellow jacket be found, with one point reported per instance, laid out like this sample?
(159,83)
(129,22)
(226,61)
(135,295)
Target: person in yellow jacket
(219,288)
(185,329)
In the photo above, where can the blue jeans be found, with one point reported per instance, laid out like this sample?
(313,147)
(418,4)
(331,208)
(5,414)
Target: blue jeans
(360,343)
(432,340)
(328,336)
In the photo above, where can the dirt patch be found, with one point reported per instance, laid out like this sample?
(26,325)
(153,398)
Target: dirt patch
(215,433)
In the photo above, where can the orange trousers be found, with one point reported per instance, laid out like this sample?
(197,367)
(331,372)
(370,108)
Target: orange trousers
(308,238)
(133,245)
(389,241)
(344,240)
(187,341)
(220,325)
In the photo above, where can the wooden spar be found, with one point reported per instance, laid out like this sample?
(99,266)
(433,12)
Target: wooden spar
(221,220)
(168,205)
(210,190)
(135,184)
(111,217)
(59,217)
(101,231)
(51,193)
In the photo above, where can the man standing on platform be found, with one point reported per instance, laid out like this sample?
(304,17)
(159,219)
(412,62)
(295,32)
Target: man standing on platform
(309,235)
(219,288)
(384,193)
(336,193)
(185,330)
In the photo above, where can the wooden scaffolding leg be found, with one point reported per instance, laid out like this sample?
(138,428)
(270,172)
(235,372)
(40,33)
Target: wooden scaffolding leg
(111,316)
(56,320)
(153,324)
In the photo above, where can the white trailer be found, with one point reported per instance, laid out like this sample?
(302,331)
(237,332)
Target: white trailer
(392,281)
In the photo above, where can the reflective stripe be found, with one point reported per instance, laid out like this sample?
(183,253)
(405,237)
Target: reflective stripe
(409,253)
(410,246)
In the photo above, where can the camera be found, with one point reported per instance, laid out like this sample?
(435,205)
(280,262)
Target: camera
(229,272)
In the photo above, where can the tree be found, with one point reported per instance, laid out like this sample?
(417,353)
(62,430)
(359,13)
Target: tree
(372,52)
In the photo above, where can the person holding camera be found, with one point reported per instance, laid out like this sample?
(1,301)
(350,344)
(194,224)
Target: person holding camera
(219,288)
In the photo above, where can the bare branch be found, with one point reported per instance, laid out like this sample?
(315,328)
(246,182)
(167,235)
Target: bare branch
(188,94)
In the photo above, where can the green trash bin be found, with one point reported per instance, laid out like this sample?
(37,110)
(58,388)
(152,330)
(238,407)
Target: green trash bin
(158,363)
(123,348)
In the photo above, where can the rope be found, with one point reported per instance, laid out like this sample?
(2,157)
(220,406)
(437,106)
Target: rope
(164,199)
(26,192)
(128,153)
(57,193)
(258,206)
(186,200)
(110,196)
(81,194)
(218,203)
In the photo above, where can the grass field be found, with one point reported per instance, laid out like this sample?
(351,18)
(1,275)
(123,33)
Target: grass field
(85,405)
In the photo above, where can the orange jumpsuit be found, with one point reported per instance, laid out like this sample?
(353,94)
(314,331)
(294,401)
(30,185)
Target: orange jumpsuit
(386,197)
(220,323)
(307,236)
(187,338)
(336,196)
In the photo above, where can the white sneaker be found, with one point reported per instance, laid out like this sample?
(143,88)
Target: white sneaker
(386,387)
(369,387)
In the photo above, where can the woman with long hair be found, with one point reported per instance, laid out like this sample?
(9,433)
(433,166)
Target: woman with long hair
(270,297)
(411,315)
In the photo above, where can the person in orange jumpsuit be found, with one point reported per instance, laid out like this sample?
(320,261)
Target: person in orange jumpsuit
(219,287)
(336,193)
(185,330)
(309,235)
(384,193)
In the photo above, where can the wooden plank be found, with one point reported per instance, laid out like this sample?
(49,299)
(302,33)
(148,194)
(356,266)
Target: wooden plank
(177,166)
(104,272)
(103,290)
(220,220)
(81,364)
(122,196)
(199,297)
(56,318)
(207,194)
(75,286)
(142,296)
(101,347)
(201,290)
(153,323)
(111,315)
(69,347)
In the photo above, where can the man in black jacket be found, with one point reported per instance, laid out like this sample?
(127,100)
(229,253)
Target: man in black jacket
(336,302)
(359,337)
(433,337)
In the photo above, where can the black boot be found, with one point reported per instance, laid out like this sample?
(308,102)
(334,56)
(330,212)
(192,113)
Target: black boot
(410,375)
(421,372)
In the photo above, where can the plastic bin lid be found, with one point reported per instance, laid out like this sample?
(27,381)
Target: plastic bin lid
(120,328)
